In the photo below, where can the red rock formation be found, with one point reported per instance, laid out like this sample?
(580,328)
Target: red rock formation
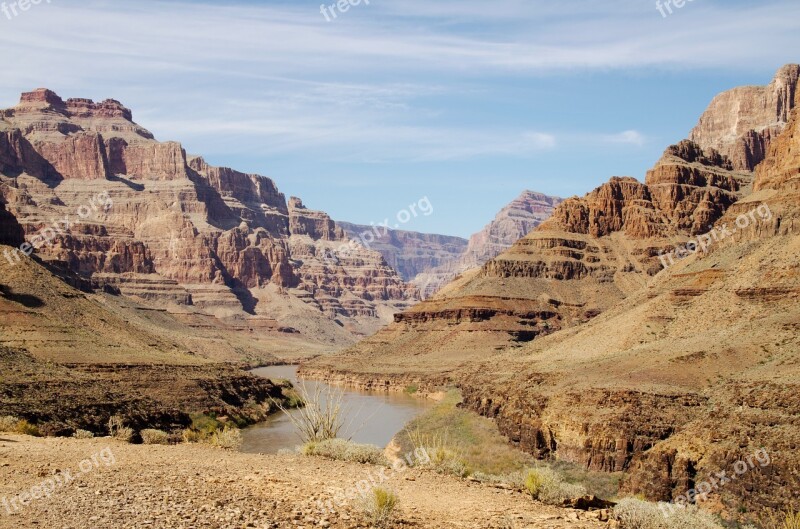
(179,223)
(741,123)
(513,222)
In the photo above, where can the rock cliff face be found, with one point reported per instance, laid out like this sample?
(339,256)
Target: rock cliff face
(741,123)
(408,252)
(170,229)
(513,222)
(583,347)
(11,233)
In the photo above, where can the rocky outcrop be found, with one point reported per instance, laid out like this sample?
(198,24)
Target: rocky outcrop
(741,123)
(168,228)
(412,254)
(513,222)
(11,233)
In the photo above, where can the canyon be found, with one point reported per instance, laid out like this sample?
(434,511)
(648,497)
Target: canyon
(584,348)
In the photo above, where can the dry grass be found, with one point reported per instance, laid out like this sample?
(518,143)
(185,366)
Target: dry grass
(118,430)
(633,513)
(464,436)
(12,424)
(154,437)
(379,506)
(229,438)
(787,520)
(342,450)
(83,434)
(546,485)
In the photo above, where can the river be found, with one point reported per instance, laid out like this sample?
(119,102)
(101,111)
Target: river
(373,418)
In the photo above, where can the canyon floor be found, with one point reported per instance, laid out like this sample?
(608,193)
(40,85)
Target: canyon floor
(187,486)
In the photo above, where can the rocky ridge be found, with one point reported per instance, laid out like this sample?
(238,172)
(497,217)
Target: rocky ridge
(583,348)
(172,231)
(512,223)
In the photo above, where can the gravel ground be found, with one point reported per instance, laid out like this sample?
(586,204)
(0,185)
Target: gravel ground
(102,483)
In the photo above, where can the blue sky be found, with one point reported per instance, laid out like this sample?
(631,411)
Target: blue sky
(465,102)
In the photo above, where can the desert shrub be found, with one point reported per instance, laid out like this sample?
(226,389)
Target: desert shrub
(412,389)
(192,436)
(634,513)
(118,430)
(342,450)
(379,506)
(229,438)
(444,457)
(547,486)
(321,415)
(787,520)
(83,434)
(154,437)
(8,423)
(23,427)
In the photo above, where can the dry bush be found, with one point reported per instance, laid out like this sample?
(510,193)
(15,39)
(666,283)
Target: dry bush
(547,486)
(342,450)
(379,506)
(154,437)
(8,423)
(633,513)
(444,456)
(83,434)
(23,427)
(229,438)
(787,520)
(118,430)
(321,415)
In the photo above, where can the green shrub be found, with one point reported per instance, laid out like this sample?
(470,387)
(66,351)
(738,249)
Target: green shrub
(379,506)
(229,438)
(23,427)
(412,389)
(83,434)
(154,437)
(342,450)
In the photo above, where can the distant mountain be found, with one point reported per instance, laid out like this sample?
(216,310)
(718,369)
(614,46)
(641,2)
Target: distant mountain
(410,253)
(174,232)
(649,328)
(512,223)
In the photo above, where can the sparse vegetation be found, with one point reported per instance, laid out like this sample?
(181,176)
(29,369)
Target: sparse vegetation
(546,485)
(444,455)
(118,430)
(412,389)
(83,434)
(229,438)
(470,442)
(154,437)
(23,427)
(787,520)
(379,506)
(321,416)
(8,423)
(343,450)
(633,513)
(11,424)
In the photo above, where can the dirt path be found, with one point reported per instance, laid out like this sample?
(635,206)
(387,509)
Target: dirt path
(107,484)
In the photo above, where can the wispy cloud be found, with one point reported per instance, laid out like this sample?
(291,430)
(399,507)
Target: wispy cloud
(276,76)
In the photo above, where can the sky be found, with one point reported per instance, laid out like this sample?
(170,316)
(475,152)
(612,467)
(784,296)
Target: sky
(465,103)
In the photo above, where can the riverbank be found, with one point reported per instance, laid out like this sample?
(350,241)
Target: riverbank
(197,486)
